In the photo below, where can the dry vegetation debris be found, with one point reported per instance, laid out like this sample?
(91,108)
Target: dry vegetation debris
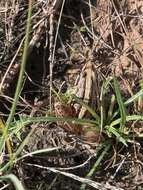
(112,30)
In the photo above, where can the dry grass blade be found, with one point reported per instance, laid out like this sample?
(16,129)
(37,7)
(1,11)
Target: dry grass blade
(98,42)
(89,182)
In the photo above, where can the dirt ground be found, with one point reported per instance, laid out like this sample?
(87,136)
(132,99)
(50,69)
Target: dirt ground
(113,30)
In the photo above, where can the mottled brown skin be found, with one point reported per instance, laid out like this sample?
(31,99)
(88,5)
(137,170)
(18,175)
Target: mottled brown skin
(67,111)
(85,132)
(87,89)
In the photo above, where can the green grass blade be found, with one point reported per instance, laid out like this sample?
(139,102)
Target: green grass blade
(16,182)
(18,151)
(26,121)
(134,98)
(24,142)
(121,105)
(111,109)
(91,111)
(3,139)
(114,131)
(5,167)
(93,169)
(22,69)
(5,134)
(129,101)
(128,118)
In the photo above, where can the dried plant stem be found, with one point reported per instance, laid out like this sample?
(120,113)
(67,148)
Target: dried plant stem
(53,44)
(22,69)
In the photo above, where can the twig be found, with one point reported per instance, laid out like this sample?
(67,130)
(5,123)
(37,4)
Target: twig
(89,182)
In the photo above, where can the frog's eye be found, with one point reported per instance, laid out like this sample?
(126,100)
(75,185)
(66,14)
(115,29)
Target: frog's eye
(58,108)
(58,105)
